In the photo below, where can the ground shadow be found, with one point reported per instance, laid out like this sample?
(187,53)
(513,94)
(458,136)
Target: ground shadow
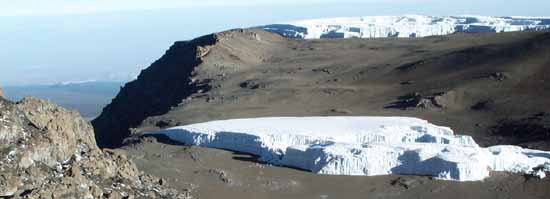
(236,155)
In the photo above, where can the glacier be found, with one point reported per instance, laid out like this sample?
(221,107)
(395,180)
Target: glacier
(362,146)
(404,26)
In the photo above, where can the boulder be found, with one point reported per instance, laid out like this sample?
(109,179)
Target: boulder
(440,100)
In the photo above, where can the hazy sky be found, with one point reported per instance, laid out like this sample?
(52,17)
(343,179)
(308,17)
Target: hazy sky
(72,40)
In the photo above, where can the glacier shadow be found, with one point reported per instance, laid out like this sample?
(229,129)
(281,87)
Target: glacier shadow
(538,154)
(236,155)
(413,165)
(248,157)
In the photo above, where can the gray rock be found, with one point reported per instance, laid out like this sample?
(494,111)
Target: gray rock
(252,84)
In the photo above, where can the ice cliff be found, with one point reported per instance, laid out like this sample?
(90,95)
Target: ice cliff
(363,146)
(404,26)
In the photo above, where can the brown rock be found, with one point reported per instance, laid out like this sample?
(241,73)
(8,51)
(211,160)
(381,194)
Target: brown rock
(65,128)
(51,153)
(444,100)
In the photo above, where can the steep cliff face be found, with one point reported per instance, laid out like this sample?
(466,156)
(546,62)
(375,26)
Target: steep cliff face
(49,152)
(162,86)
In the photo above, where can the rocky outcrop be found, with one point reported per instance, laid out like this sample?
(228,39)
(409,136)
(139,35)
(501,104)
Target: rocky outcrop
(50,152)
(416,100)
(1,93)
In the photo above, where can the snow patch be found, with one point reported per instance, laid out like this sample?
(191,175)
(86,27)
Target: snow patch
(365,146)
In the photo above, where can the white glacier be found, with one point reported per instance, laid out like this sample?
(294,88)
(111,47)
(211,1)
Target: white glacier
(363,146)
(404,26)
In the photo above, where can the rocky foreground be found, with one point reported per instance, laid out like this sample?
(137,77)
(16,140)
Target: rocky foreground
(49,152)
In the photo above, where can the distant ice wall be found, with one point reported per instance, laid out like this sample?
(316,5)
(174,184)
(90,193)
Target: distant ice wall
(404,26)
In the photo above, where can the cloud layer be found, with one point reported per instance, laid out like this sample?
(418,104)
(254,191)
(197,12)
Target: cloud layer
(64,7)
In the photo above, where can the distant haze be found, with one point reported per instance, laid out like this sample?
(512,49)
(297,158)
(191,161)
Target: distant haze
(47,42)
(87,97)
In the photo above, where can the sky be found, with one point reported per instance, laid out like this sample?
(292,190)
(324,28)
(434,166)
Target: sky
(46,42)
